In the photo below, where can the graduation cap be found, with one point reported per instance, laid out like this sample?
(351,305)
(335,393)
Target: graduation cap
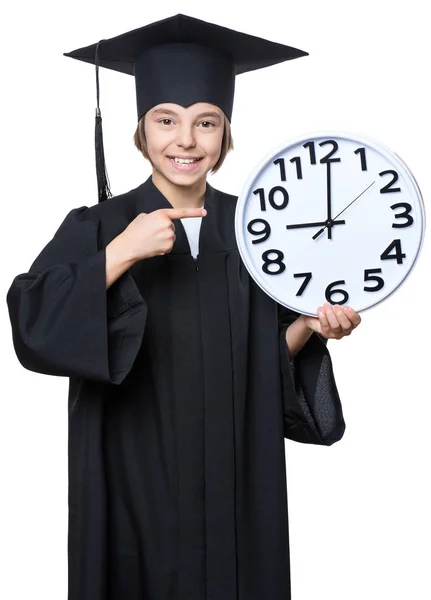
(181,60)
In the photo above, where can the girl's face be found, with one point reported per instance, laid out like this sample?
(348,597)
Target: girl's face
(184,143)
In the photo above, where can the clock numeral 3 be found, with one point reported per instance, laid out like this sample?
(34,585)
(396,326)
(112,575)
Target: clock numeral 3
(304,283)
(404,215)
(271,197)
(368,276)
(387,189)
(331,291)
(267,261)
(398,255)
(266,231)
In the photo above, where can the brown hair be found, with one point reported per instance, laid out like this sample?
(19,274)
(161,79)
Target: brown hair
(226,145)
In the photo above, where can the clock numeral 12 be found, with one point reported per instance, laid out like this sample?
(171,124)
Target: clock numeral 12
(326,159)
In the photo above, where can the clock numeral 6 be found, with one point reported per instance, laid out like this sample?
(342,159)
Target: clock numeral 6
(330,292)
(265,231)
(267,261)
(368,276)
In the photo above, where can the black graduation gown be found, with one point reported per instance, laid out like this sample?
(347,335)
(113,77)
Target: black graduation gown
(181,393)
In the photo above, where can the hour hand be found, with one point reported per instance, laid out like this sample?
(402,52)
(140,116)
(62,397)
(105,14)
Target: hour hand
(320,223)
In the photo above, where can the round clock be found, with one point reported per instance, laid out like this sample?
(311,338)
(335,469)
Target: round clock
(330,217)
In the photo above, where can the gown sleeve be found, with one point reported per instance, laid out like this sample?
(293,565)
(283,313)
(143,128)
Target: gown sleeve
(64,321)
(311,404)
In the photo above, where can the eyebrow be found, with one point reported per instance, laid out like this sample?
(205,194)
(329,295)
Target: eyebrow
(167,111)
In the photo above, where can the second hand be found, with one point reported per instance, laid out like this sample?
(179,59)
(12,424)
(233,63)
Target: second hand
(316,235)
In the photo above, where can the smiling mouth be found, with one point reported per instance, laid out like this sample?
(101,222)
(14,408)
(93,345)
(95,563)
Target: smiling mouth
(184,161)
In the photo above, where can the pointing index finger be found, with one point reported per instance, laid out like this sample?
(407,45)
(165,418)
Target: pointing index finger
(185,213)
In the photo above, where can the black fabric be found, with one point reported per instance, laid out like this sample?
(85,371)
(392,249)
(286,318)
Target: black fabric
(312,407)
(184,73)
(185,60)
(181,393)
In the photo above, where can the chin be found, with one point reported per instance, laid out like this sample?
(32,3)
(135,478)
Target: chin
(185,179)
(182,181)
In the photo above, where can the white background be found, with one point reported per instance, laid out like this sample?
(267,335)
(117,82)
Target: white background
(359,511)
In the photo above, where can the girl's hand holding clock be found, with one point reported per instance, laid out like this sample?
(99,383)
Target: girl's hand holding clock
(333,321)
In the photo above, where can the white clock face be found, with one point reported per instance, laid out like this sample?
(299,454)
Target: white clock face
(335,218)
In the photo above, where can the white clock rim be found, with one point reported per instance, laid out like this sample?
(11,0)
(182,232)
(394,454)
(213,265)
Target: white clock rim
(351,136)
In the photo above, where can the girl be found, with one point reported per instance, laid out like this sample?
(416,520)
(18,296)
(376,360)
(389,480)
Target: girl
(184,376)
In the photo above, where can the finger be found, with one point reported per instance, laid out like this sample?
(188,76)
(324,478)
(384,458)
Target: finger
(173,227)
(354,317)
(324,325)
(332,318)
(343,319)
(184,213)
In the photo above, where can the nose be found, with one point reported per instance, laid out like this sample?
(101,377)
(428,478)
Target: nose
(185,136)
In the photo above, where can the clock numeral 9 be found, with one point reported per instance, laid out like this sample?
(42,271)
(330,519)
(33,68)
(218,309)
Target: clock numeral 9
(330,292)
(265,232)
(368,276)
(267,262)
(271,197)
(404,215)
(396,247)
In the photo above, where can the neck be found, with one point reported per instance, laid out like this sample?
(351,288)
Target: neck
(187,196)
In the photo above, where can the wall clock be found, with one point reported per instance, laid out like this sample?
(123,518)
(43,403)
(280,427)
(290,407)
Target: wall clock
(330,217)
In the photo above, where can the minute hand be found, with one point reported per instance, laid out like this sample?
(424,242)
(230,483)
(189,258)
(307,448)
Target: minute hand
(316,235)
(328,199)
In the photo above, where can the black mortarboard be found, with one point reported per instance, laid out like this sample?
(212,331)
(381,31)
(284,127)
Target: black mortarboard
(181,60)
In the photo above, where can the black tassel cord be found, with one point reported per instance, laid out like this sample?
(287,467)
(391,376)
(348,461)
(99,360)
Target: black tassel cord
(103,188)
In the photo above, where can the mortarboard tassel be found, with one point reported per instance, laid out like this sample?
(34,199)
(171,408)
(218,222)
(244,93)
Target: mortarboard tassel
(103,189)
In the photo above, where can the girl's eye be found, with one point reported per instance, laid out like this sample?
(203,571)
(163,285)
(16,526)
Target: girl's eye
(166,121)
(207,124)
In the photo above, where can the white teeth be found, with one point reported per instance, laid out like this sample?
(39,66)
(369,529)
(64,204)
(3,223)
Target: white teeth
(185,161)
